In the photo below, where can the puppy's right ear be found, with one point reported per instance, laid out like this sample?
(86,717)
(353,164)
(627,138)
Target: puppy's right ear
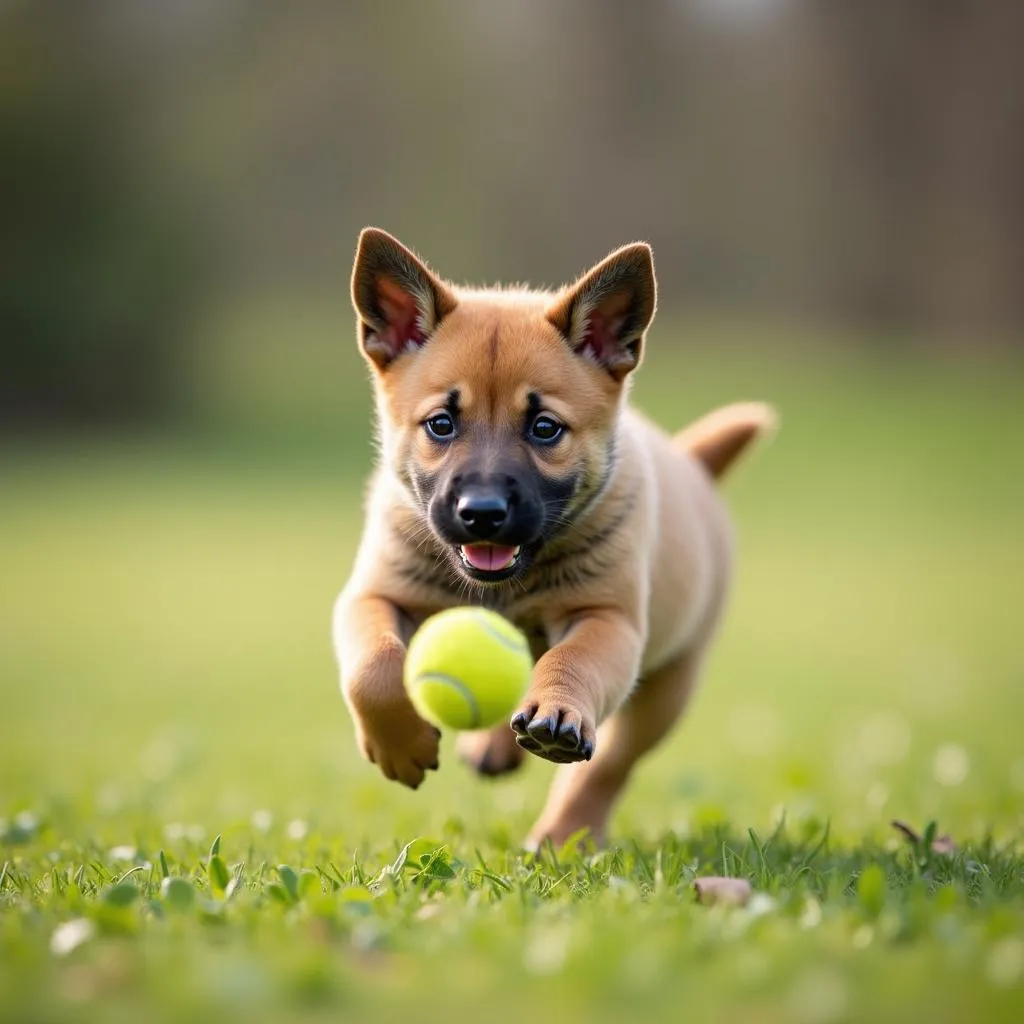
(399,302)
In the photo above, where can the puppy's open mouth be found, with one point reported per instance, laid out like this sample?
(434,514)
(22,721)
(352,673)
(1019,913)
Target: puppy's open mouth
(489,561)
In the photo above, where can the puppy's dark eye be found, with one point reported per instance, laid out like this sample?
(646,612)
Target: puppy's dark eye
(545,430)
(440,427)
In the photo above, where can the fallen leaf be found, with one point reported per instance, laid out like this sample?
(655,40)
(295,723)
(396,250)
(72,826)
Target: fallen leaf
(734,891)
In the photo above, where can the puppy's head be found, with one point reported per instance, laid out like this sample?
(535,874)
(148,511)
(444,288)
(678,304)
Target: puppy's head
(497,409)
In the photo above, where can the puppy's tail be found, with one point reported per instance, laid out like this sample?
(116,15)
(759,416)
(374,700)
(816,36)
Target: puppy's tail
(718,438)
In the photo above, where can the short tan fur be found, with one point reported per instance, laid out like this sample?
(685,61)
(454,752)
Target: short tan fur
(619,547)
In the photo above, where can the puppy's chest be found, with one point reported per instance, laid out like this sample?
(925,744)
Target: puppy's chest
(428,588)
(522,610)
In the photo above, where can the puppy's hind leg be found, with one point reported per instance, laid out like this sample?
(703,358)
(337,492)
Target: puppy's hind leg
(492,751)
(583,795)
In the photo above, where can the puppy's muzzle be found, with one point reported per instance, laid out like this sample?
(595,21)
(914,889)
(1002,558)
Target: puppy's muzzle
(482,512)
(487,519)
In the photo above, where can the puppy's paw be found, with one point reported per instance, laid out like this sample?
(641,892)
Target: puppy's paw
(491,752)
(405,751)
(555,732)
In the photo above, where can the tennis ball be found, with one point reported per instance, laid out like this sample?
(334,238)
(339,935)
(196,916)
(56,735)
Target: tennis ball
(467,668)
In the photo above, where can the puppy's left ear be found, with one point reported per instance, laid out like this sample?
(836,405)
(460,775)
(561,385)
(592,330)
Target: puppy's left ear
(604,315)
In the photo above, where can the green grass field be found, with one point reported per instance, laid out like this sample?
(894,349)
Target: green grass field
(167,686)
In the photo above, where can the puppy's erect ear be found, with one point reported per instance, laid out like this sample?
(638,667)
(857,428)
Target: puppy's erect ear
(398,300)
(604,315)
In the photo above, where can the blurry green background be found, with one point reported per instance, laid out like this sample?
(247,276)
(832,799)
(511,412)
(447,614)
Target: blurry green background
(833,196)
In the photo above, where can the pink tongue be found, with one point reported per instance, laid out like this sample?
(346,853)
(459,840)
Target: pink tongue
(488,557)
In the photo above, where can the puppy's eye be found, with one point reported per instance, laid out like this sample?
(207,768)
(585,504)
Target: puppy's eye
(545,430)
(440,427)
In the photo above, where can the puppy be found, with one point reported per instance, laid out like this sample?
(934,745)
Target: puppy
(514,473)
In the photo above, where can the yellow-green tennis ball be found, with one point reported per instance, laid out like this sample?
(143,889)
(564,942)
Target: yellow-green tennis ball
(467,668)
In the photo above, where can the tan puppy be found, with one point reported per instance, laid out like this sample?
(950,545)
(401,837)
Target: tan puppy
(513,473)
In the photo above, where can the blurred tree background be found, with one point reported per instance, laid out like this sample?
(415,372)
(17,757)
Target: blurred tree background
(858,165)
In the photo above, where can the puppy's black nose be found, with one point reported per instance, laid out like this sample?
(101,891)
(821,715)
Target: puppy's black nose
(482,513)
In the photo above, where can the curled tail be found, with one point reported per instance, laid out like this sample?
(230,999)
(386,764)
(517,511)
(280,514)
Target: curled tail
(717,439)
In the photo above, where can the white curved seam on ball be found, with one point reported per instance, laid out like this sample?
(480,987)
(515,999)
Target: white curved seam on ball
(505,641)
(442,677)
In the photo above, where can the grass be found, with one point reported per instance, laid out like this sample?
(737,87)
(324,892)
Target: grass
(188,832)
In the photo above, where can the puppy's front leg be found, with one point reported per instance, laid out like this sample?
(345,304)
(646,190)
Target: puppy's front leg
(577,684)
(371,654)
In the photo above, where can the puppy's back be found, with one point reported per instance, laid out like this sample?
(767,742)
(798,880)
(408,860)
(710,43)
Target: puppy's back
(692,540)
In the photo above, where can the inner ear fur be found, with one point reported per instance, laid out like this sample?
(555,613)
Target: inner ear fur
(603,316)
(399,301)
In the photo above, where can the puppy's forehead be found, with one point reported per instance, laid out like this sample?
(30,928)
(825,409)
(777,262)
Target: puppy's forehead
(497,355)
